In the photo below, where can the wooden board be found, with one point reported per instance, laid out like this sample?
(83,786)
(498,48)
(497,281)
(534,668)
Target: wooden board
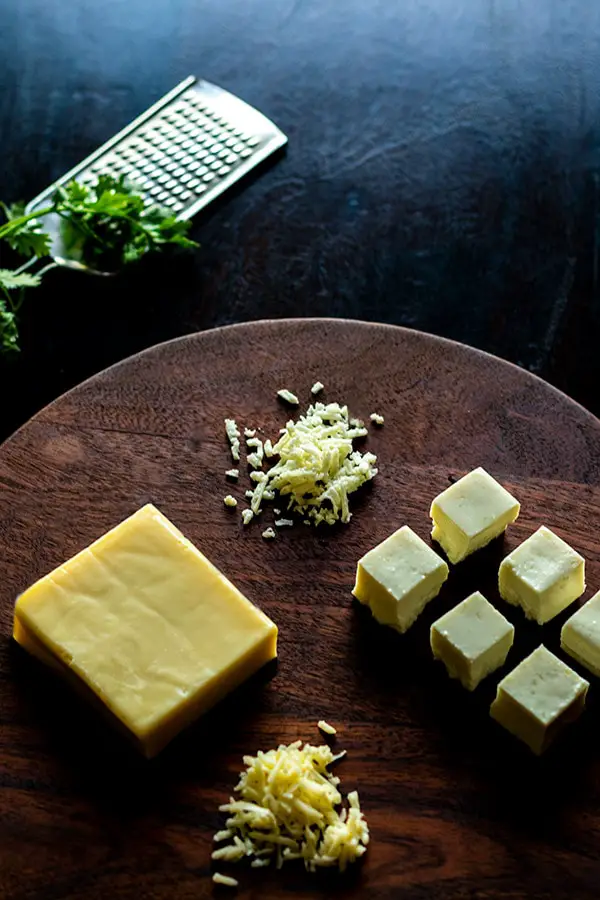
(457,808)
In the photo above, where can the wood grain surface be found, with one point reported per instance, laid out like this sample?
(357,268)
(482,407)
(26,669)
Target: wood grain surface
(457,808)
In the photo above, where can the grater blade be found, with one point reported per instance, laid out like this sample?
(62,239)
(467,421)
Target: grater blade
(182,153)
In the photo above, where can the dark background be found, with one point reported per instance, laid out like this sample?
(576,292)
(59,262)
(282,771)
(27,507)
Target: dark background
(442,173)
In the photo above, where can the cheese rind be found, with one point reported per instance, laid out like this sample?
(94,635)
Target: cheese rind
(148,624)
(580,635)
(472,640)
(398,577)
(471,513)
(543,576)
(538,698)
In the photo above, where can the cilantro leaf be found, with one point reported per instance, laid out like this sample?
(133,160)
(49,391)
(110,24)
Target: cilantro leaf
(11,280)
(105,224)
(23,233)
(9,333)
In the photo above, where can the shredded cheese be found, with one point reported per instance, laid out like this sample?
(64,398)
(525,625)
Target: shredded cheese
(268,534)
(318,468)
(233,434)
(317,387)
(288,397)
(224,879)
(290,807)
(230,501)
(326,728)
(377,419)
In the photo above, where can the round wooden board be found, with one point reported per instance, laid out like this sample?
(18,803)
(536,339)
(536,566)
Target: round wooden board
(457,808)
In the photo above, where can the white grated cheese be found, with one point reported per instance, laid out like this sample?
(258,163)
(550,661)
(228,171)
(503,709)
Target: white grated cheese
(317,387)
(232,473)
(223,835)
(247,516)
(233,434)
(230,501)
(326,728)
(224,879)
(268,534)
(290,807)
(281,523)
(377,419)
(288,397)
(318,468)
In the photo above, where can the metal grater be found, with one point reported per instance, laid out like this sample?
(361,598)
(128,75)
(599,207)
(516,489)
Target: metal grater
(182,153)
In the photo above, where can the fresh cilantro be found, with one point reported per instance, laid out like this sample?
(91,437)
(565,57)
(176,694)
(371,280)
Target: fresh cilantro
(27,238)
(104,225)
(11,280)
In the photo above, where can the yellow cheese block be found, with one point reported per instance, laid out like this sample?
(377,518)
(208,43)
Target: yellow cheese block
(147,624)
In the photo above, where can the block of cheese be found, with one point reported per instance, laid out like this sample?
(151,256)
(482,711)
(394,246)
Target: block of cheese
(398,577)
(580,635)
(538,698)
(143,623)
(472,640)
(471,513)
(543,575)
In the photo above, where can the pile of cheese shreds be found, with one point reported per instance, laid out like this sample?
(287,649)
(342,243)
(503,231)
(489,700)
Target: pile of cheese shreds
(318,467)
(291,808)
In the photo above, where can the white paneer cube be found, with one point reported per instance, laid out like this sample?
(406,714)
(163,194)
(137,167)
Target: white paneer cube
(538,698)
(472,640)
(398,577)
(543,575)
(471,513)
(580,635)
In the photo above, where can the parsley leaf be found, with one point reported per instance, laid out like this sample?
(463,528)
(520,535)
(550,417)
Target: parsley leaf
(104,225)
(23,233)
(11,280)
(9,333)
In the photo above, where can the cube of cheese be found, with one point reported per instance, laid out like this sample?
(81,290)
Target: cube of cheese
(142,622)
(471,513)
(538,698)
(580,635)
(398,577)
(543,576)
(472,640)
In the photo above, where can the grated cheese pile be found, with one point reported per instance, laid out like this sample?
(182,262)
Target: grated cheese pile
(291,808)
(233,434)
(318,467)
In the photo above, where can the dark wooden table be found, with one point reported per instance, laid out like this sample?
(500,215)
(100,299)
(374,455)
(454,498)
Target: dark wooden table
(442,173)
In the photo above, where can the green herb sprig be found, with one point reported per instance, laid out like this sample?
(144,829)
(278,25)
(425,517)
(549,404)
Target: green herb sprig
(104,225)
